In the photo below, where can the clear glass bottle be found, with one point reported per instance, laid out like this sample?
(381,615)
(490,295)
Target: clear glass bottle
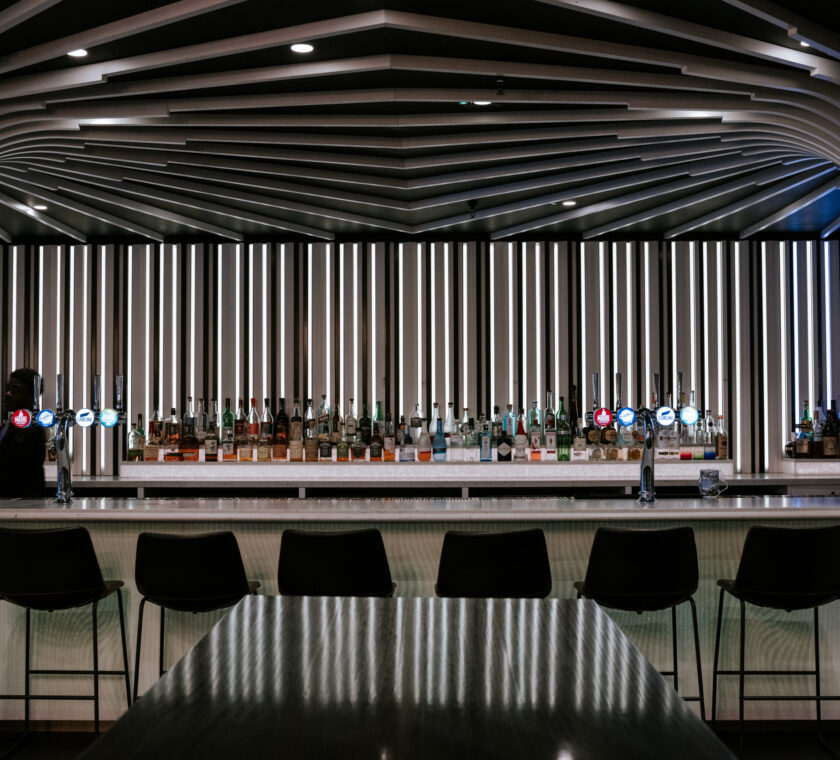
(709,436)
(433,420)
(424,446)
(324,420)
(136,441)
(408,451)
(310,433)
(496,426)
(350,421)
(535,433)
(389,440)
(155,436)
(201,422)
(439,444)
(252,426)
(722,440)
(449,425)
(416,422)
(520,440)
(239,425)
(266,433)
(172,437)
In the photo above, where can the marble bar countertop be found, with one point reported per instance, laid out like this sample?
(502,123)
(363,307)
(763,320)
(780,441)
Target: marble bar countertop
(537,509)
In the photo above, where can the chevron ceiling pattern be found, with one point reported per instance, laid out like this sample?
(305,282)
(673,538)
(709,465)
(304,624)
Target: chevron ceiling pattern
(580,119)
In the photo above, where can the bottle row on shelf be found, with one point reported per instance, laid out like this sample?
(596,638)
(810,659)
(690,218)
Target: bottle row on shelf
(817,437)
(542,434)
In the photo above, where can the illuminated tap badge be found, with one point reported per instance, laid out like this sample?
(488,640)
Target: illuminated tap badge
(626,416)
(665,415)
(45,418)
(108,417)
(84,418)
(22,418)
(603,417)
(689,415)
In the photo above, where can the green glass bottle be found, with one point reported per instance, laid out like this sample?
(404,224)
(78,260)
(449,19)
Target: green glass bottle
(564,434)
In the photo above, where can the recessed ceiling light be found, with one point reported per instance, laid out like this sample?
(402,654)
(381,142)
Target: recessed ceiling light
(482,102)
(804,44)
(570,203)
(39,207)
(78,53)
(302,47)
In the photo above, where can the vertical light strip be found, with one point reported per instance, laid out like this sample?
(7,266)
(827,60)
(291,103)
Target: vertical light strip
(341,396)
(14,305)
(129,364)
(674,357)
(720,313)
(432,314)
(556,311)
(374,385)
(465,362)
(523,309)
(237,359)
(511,313)
(159,336)
(176,354)
(283,319)
(220,392)
(616,340)
(85,348)
(328,336)
(628,251)
(102,268)
(58,367)
(401,409)
(829,358)
(491,297)
(765,409)
(738,432)
(71,296)
(419,347)
(265,276)
(647,385)
(783,343)
(797,405)
(706,357)
(692,264)
(148,312)
(41,315)
(192,321)
(309,322)
(251,389)
(583,343)
(356,323)
(602,319)
(538,281)
(809,284)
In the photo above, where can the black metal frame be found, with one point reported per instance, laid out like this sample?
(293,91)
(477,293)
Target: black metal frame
(140,641)
(818,698)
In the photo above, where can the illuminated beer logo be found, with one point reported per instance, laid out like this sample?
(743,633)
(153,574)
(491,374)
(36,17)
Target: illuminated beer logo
(22,418)
(108,417)
(84,418)
(45,418)
(626,416)
(689,415)
(603,417)
(665,415)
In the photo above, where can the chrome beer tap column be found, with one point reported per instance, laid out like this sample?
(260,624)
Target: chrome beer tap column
(647,491)
(64,420)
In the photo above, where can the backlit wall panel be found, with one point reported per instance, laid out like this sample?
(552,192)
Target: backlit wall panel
(752,326)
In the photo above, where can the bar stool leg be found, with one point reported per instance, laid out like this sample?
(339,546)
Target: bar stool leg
(124,650)
(697,657)
(162,618)
(26,665)
(741,680)
(95,672)
(715,664)
(674,647)
(817,666)
(137,650)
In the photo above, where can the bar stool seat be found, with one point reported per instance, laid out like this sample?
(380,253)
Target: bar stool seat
(187,573)
(51,570)
(647,571)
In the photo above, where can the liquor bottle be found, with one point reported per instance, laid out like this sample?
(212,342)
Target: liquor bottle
(136,441)
(416,422)
(337,425)
(310,433)
(296,434)
(816,448)
(722,441)
(485,444)
(520,440)
(155,437)
(376,444)
(201,423)
(211,436)
(252,424)
(350,421)
(534,429)
(580,444)
(471,433)
(245,448)
(378,422)
(830,432)
(279,448)
(172,438)
(408,451)
(342,448)
(189,441)
(574,414)
(449,424)
(358,450)
(509,424)
(389,440)
(400,434)
(433,420)
(564,434)
(455,439)
(709,436)
(365,425)
(324,420)
(439,444)
(228,434)
(266,434)
(550,427)
(496,426)
(424,445)
(803,440)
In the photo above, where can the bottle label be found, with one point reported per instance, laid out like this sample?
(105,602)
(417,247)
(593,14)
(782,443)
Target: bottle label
(357,450)
(416,422)
(296,450)
(239,428)
(228,451)
(550,440)
(211,447)
(296,429)
(263,452)
(310,449)
(456,439)
(325,451)
(246,453)
(535,439)
(350,426)
(486,449)
(376,450)
(135,455)
(265,430)
(593,435)
(390,443)
(406,453)
(342,451)
(610,435)
(504,451)
(830,446)
(278,452)
(801,446)
(723,446)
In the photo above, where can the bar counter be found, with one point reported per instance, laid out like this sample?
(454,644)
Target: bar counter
(413,531)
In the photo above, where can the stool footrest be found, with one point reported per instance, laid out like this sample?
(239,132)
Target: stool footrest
(767,672)
(44,696)
(76,672)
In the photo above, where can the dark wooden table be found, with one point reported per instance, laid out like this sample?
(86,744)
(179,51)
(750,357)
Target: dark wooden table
(386,679)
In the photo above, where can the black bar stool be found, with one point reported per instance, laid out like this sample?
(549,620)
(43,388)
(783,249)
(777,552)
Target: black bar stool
(49,570)
(187,573)
(500,565)
(781,569)
(333,563)
(646,571)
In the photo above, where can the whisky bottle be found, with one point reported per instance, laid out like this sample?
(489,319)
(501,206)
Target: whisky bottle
(365,425)
(211,436)
(240,437)
(336,425)
(358,450)
(520,440)
(408,450)
(722,441)
(439,444)
(389,441)
(155,437)
(376,444)
(266,433)
(378,421)
(830,432)
(550,427)
(342,449)
(350,422)
(296,434)
(279,448)
(564,434)
(228,434)
(189,441)
(136,441)
(324,420)
(172,438)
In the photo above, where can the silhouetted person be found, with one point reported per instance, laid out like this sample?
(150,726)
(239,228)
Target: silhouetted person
(22,450)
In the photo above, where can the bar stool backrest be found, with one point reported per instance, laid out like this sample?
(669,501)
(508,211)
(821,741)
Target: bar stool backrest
(191,572)
(501,565)
(790,561)
(48,569)
(642,563)
(333,563)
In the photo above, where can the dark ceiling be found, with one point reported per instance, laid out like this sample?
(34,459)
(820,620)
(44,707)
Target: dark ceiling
(189,119)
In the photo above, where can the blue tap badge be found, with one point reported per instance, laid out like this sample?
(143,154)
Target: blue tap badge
(689,415)
(108,417)
(84,418)
(626,416)
(45,418)
(665,415)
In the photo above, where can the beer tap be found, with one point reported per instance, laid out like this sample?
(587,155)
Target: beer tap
(647,491)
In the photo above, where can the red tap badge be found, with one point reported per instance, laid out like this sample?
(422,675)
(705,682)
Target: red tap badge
(603,417)
(22,418)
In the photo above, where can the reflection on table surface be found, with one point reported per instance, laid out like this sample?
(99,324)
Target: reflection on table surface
(325,677)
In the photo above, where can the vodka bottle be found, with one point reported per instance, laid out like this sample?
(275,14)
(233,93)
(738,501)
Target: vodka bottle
(416,422)
(433,420)
(449,426)
(549,427)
